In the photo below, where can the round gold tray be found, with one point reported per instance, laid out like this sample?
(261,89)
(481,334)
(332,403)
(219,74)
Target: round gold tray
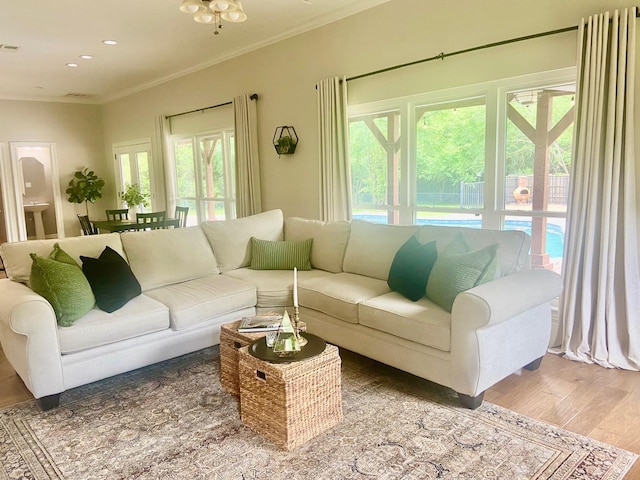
(315,346)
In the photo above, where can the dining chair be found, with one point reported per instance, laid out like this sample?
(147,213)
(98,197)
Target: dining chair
(85,223)
(181,215)
(118,214)
(154,220)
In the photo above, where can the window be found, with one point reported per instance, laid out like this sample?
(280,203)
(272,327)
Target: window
(133,165)
(205,175)
(493,155)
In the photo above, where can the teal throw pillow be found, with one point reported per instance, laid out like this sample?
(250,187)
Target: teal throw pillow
(63,284)
(411,267)
(455,273)
(280,255)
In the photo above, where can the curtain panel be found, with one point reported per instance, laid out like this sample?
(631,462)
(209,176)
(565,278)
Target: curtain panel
(162,146)
(335,181)
(248,189)
(600,304)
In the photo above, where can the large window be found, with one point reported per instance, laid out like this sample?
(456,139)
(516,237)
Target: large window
(493,156)
(205,175)
(133,165)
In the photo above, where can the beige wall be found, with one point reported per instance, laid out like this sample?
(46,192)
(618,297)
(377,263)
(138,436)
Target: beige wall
(77,132)
(285,74)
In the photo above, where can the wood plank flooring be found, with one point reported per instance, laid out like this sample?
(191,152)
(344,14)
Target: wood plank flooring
(600,403)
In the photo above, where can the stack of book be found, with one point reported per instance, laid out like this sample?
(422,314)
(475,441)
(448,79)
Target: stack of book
(260,323)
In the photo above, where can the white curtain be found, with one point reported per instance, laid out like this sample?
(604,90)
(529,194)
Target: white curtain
(335,181)
(600,305)
(248,190)
(162,147)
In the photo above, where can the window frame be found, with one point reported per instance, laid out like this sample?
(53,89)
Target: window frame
(227,136)
(495,95)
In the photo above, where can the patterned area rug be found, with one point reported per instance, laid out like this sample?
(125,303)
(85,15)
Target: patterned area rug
(174,421)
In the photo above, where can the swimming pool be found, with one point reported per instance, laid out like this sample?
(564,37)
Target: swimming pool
(555,234)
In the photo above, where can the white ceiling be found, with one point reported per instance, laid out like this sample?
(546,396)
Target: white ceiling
(156,42)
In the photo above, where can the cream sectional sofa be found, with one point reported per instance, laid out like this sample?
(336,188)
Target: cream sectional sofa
(195,279)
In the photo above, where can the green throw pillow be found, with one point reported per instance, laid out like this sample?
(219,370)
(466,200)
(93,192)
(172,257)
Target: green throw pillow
(60,280)
(411,267)
(455,273)
(279,255)
(60,255)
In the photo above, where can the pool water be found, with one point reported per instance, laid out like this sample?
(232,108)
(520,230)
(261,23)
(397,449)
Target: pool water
(555,235)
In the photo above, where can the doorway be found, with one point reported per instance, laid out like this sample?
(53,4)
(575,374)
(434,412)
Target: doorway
(31,192)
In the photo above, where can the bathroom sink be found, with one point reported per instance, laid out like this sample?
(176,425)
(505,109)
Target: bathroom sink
(35,207)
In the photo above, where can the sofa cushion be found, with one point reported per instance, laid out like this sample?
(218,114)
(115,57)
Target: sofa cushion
(163,257)
(339,294)
(231,239)
(329,240)
(274,287)
(281,255)
(423,321)
(411,267)
(202,299)
(453,274)
(372,246)
(64,286)
(111,279)
(17,262)
(140,316)
(513,254)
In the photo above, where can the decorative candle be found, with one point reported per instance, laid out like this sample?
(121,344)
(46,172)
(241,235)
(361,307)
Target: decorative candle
(295,287)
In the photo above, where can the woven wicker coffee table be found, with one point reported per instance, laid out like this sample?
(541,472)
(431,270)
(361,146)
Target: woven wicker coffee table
(230,341)
(290,403)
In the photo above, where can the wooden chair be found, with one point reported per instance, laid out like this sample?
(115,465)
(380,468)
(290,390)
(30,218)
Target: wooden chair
(87,227)
(151,220)
(119,214)
(181,215)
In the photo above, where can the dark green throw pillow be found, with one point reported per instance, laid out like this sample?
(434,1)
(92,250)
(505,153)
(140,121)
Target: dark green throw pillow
(63,284)
(280,255)
(411,267)
(111,279)
(453,274)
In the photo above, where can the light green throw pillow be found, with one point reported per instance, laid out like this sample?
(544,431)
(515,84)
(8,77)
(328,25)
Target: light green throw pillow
(60,280)
(455,273)
(280,255)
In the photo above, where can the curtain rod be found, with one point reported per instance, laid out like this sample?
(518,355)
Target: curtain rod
(442,56)
(253,96)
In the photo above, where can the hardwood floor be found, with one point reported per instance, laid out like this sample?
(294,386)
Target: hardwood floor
(600,403)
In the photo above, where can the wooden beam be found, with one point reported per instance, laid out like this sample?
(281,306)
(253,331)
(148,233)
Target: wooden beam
(562,125)
(522,123)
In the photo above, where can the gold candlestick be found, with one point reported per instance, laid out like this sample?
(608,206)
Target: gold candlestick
(296,320)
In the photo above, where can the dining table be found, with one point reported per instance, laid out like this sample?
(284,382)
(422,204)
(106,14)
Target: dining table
(126,225)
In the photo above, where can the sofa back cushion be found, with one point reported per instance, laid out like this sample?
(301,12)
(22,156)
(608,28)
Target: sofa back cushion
(513,250)
(162,257)
(373,246)
(17,261)
(329,240)
(231,239)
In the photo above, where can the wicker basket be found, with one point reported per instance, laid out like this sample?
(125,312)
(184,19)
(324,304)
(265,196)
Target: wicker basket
(290,403)
(230,341)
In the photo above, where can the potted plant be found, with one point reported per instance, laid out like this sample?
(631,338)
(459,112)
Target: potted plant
(85,186)
(285,140)
(285,145)
(134,197)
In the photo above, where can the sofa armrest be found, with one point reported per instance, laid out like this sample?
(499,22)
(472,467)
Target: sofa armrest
(496,301)
(29,338)
(499,327)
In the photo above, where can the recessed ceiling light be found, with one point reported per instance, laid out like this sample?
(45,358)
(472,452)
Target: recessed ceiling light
(86,57)
(72,65)
(109,42)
